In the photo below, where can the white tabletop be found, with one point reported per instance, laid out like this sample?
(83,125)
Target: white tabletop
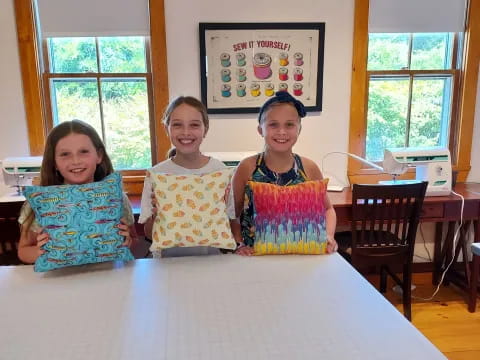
(216,307)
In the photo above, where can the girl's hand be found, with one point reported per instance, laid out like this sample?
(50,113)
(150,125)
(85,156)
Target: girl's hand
(42,239)
(332,245)
(244,250)
(125,231)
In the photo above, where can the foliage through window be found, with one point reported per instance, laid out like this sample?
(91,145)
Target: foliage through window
(411,80)
(104,81)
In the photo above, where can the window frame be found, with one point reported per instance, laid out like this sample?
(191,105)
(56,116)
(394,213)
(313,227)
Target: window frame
(47,75)
(39,122)
(463,101)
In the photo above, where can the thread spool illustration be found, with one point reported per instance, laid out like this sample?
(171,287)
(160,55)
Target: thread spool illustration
(298,74)
(283,74)
(283,59)
(297,89)
(261,66)
(225,59)
(225,73)
(298,59)
(241,90)
(282,87)
(241,74)
(269,89)
(241,59)
(226,90)
(255,89)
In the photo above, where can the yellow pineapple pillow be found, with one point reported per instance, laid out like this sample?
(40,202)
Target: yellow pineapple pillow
(191,211)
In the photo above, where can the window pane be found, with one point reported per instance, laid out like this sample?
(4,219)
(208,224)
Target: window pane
(123,54)
(388,51)
(75,99)
(126,119)
(72,55)
(431,51)
(430,112)
(387,113)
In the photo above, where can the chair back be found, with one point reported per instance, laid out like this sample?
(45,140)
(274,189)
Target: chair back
(384,222)
(9,233)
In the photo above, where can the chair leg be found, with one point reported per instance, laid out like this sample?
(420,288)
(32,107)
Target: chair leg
(474,283)
(407,292)
(383,279)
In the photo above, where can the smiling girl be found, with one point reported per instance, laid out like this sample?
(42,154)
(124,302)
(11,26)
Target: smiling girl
(279,124)
(74,154)
(186,123)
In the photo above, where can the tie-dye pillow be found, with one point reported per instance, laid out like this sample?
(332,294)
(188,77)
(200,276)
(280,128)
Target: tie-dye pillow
(289,219)
(191,211)
(81,222)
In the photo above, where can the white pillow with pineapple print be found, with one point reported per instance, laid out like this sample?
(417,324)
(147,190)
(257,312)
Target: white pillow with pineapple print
(192,210)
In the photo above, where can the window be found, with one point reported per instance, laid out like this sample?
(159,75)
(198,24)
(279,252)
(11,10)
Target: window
(460,79)
(411,80)
(104,81)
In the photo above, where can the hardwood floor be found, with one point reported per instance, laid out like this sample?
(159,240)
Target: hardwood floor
(445,320)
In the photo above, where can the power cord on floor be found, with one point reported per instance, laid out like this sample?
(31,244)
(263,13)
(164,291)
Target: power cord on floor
(455,241)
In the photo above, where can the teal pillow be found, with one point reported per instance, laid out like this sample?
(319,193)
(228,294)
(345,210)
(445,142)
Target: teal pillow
(81,221)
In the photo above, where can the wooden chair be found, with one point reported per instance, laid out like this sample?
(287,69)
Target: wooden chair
(9,233)
(472,303)
(384,226)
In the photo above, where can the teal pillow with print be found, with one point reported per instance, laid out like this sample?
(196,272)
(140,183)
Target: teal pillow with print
(81,221)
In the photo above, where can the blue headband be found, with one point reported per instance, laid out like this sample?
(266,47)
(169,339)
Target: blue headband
(283,97)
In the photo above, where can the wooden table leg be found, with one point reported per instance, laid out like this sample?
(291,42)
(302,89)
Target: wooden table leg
(437,253)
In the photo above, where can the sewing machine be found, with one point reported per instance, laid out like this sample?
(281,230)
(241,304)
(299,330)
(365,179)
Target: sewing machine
(431,164)
(19,172)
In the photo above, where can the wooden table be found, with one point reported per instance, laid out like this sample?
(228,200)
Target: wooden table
(439,210)
(9,231)
(212,307)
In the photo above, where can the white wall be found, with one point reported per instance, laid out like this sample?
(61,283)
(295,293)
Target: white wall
(474,175)
(13,129)
(322,132)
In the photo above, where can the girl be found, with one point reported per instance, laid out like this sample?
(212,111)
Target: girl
(186,122)
(279,124)
(74,154)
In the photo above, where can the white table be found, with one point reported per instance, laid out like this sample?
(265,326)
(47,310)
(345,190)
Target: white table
(217,307)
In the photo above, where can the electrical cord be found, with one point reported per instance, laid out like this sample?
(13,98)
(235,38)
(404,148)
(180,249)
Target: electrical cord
(424,245)
(455,241)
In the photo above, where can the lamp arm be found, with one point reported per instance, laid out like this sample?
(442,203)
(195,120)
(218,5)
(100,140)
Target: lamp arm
(375,166)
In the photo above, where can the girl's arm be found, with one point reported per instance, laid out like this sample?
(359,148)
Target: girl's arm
(29,246)
(314,173)
(240,178)
(147,208)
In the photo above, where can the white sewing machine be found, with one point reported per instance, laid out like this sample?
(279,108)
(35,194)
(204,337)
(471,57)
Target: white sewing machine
(431,164)
(19,172)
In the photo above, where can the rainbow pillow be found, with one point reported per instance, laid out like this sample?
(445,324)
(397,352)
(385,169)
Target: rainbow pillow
(192,211)
(289,219)
(81,221)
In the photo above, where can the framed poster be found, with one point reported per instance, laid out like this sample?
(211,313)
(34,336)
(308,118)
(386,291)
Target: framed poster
(243,64)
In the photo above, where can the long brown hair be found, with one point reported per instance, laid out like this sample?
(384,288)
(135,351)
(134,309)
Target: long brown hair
(188,100)
(49,175)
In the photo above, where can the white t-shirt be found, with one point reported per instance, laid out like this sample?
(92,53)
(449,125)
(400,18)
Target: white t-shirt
(169,167)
